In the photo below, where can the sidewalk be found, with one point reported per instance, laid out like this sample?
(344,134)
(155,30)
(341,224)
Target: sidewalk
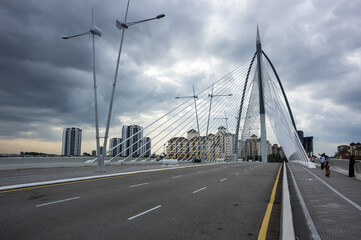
(333,204)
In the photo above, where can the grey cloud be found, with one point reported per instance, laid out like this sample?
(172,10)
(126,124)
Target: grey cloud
(47,81)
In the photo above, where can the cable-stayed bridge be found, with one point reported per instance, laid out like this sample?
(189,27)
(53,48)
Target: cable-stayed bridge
(235,200)
(217,122)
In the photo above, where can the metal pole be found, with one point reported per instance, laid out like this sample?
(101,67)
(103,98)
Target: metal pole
(96,103)
(209,115)
(199,133)
(229,141)
(113,91)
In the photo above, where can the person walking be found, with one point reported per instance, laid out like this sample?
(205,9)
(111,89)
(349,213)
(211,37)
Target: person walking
(323,160)
(351,166)
(327,168)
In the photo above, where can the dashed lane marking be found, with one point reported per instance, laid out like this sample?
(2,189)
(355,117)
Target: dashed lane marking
(137,185)
(201,189)
(142,213)
(59,201)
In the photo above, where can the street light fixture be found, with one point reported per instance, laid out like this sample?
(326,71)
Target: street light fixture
(93,31)
(199,133)
(210,107)
(229,142)
(121,26)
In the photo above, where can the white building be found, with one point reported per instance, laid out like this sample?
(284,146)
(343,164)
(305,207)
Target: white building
(71,142)
(134,144)
(115,142)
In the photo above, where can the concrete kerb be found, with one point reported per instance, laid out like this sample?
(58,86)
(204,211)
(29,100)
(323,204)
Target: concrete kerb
(59,181)
(287,229)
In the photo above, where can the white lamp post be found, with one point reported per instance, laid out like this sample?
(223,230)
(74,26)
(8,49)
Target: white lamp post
(199,133)
(121,26)
(93,31)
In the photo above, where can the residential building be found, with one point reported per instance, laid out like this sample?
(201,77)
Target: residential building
(252,148)
(355,149)
(307,143)
(134,144)
(115,143)
(71,142)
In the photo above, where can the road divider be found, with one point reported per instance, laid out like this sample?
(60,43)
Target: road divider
(58,182)
(287,228)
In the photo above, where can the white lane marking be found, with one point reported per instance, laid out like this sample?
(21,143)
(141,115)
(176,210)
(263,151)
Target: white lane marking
(236,173)
(142,213)
(199,171)
(199,190)
(224,179)
(137,185)
(335,191)
(311,225)
(64,200)
(178,176)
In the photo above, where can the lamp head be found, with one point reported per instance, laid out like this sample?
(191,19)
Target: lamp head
(160,16)
(121,25)
(96,31)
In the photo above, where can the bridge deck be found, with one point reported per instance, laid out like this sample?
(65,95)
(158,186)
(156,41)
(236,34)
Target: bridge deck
(333,204)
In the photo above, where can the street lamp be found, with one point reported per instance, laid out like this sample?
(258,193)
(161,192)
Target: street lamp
(210,107)
(199,133)
(93,31)
(121,26)
(227,132)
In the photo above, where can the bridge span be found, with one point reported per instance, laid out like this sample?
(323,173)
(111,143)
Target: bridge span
(188,201)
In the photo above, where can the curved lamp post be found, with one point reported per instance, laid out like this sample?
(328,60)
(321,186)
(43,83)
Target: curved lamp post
(93,31)
(199,133)
(227,132)
(121,26)
(210,107)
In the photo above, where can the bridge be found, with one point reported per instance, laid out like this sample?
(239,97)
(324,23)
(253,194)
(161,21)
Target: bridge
(202,187)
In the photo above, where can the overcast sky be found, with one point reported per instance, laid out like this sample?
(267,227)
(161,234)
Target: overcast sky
(46,83)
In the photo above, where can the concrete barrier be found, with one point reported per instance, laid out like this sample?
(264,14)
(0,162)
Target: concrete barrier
(341,166)
(287,229)
(7,163)
(170,161)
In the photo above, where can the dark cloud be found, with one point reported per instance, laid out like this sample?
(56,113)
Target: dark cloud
(47,83)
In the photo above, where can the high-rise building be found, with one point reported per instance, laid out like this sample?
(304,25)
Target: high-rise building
(146,147)
(71,142)
(134,144)
(115,142)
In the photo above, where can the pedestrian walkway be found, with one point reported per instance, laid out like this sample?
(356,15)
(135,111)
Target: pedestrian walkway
(324,207)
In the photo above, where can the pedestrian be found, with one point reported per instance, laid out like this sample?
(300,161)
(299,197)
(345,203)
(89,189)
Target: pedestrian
(327,168)
(323,160)
(351,166)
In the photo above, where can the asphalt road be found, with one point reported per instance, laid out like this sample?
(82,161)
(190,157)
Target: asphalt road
(225,201)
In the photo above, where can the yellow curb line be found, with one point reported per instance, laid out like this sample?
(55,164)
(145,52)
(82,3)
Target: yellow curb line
(263,232)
